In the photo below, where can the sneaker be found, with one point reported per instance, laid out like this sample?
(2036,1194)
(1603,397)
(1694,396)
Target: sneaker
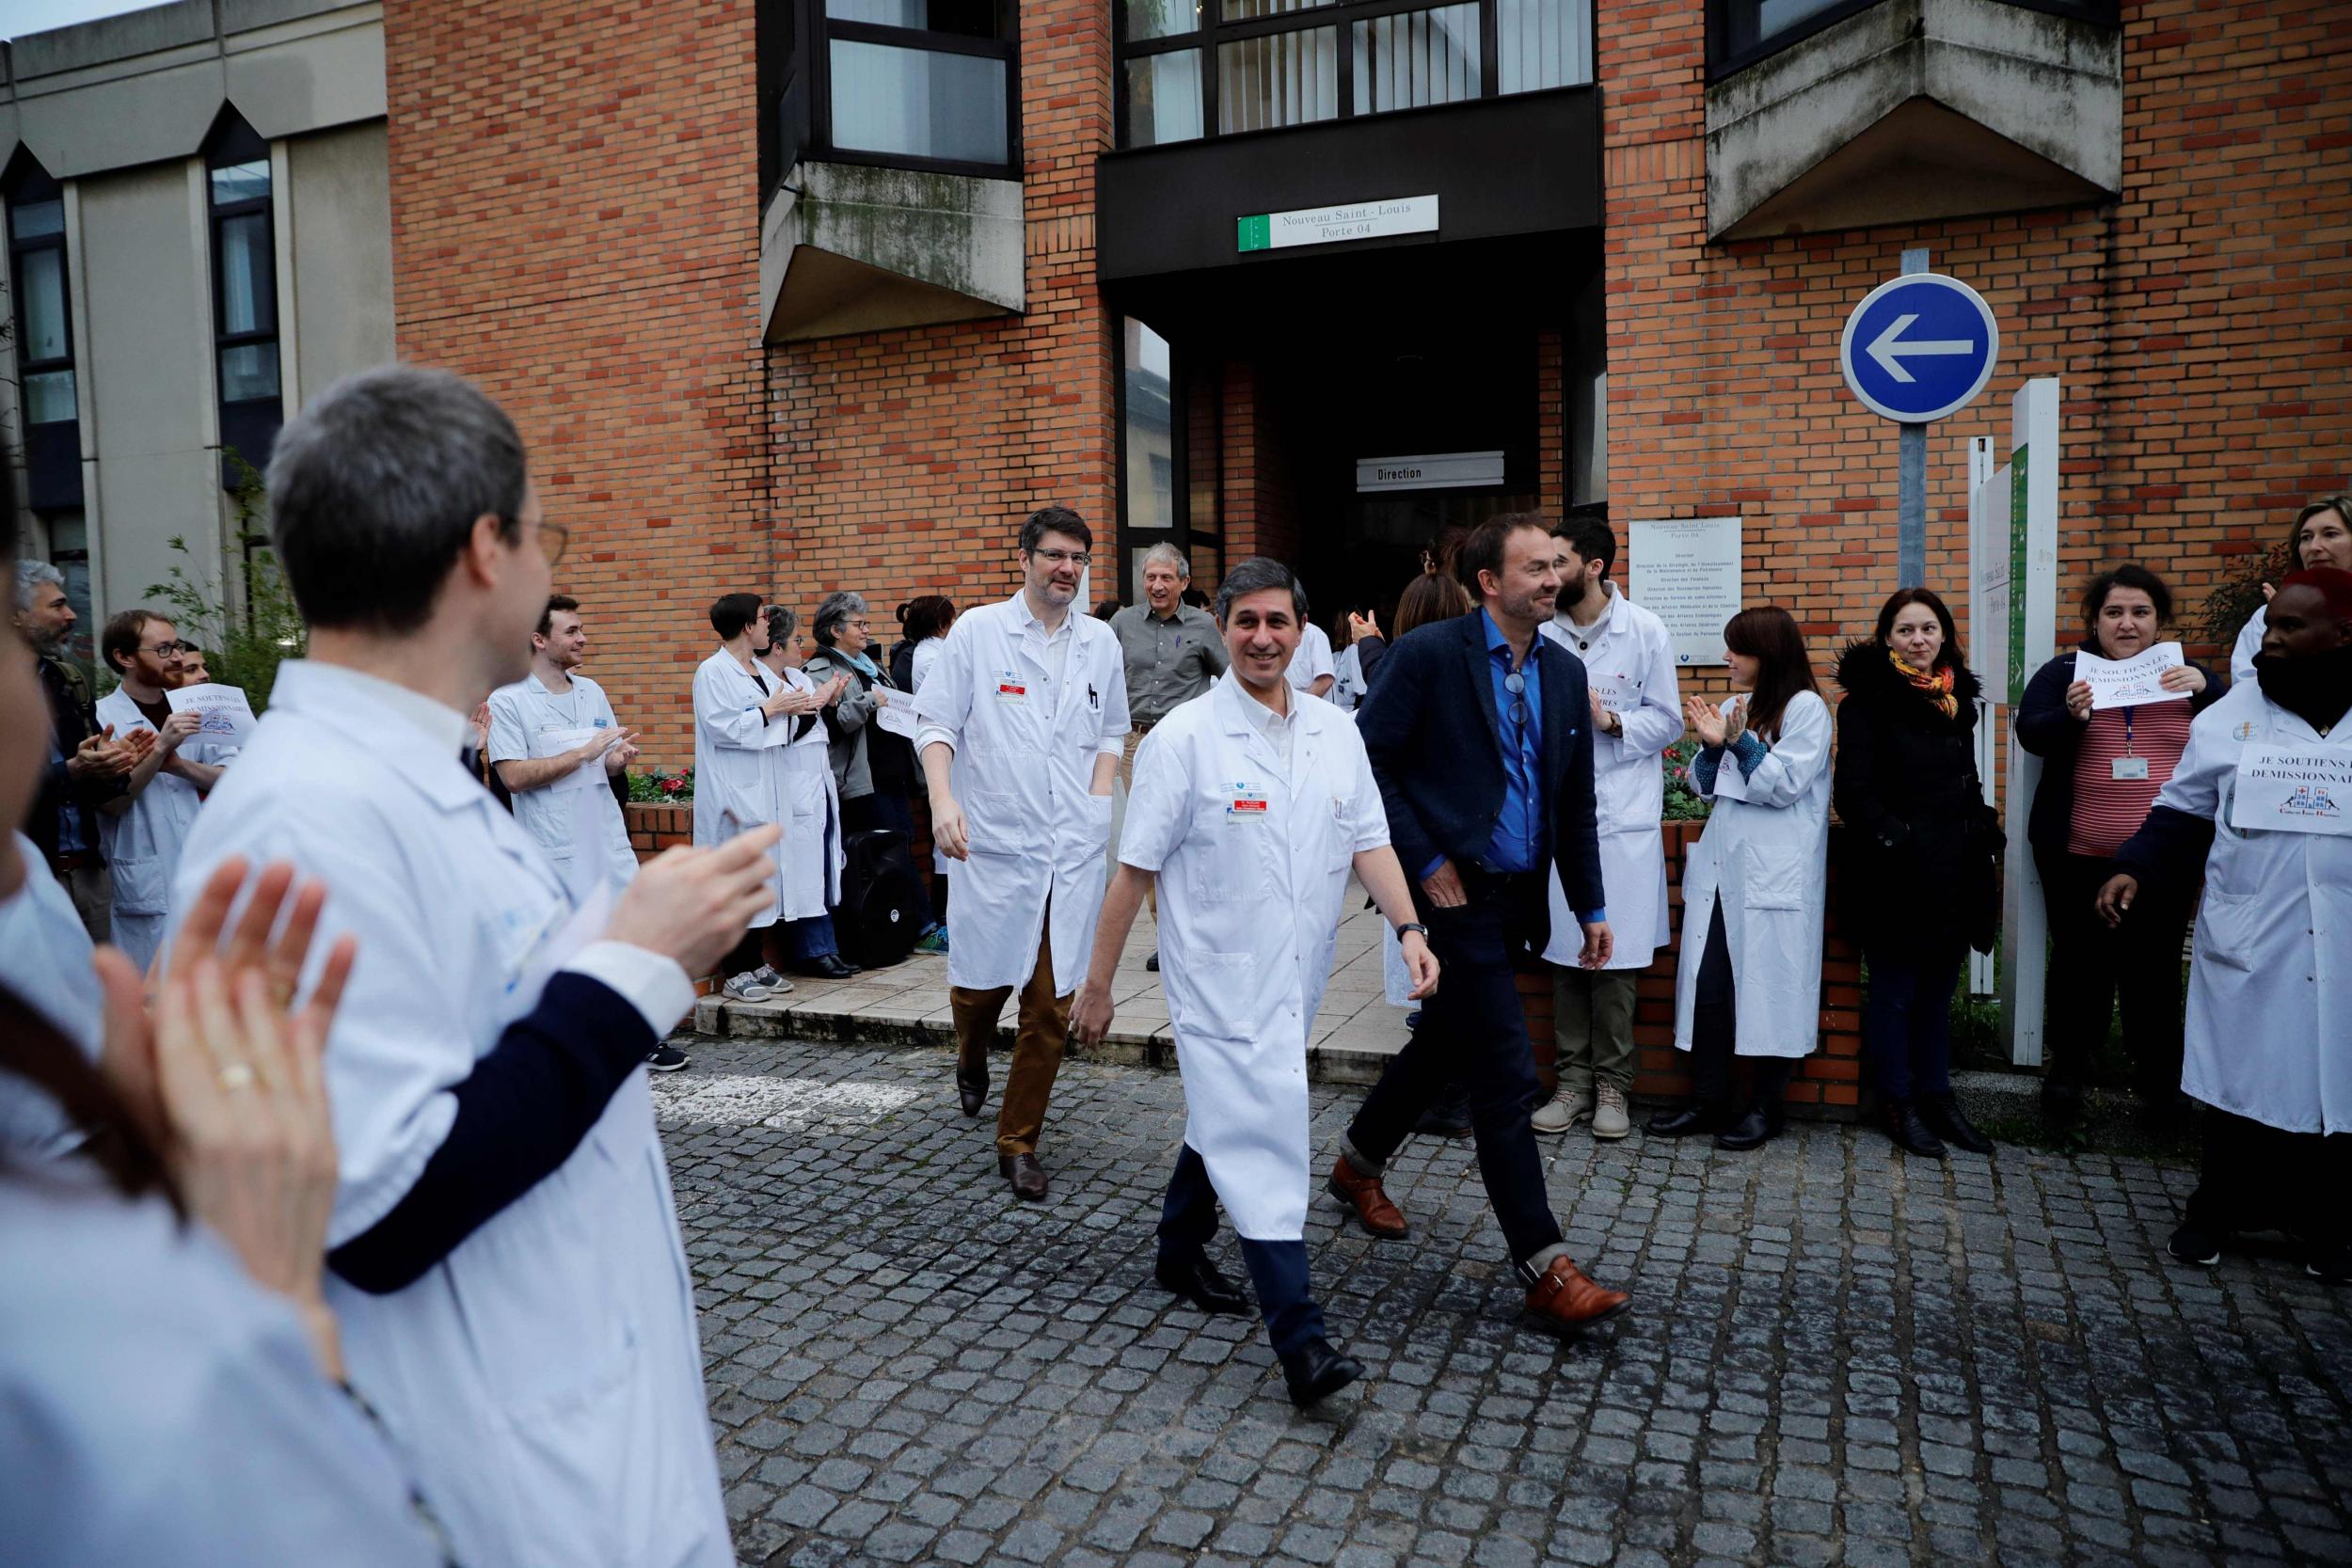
(1564,1110)
(1610,1121)
(766,975)
(2330,1265)
(2193,1244)
(666,1058)
(745,987)
(933,940)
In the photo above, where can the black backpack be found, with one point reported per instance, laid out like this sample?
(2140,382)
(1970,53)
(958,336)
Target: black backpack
(878,919)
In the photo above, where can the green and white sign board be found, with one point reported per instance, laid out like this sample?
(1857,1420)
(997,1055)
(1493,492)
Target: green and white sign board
(1355,220)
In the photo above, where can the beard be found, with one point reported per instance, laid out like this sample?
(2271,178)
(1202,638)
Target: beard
(1572,592)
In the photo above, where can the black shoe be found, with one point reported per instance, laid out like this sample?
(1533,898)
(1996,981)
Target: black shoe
(1448,1116)
(1941,1112)
(2061,1102)
(2195,1246)
(665,1058)
(1152,964)
(1760,1126)
(1197,1280)
(1318,1371)
(1698,1117)
(2330,1265)
(1903,1125)
(827,966)
(972,1084)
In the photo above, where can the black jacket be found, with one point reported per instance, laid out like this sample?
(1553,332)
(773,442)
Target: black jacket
(1921,843)
(2049,731)
(73,718)
(1435,746)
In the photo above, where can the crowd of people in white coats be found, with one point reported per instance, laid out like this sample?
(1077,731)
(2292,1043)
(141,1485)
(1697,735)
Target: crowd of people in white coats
(336,1222)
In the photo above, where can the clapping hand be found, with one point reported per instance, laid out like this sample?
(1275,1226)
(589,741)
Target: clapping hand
(1703,718)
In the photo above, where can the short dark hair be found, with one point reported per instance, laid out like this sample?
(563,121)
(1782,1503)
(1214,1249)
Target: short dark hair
(731,613)
(375,487)
(124,628)
(555,602)
(1255,576)
(1483,550)
(1591,538)
(927,617)
(1896,602)
(2129,574)
(1055,519)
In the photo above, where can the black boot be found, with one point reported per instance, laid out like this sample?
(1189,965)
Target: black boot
(1318,1371)
(1760,1126)
(1699,1116)
(1908,1131)
(1941,1112)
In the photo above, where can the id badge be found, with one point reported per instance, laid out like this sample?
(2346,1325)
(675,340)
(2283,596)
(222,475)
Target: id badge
(1010,688)
(1248,805)
(2129,767)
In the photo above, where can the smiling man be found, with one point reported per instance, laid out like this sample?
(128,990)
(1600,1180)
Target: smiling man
(1252,804)
(1172,652)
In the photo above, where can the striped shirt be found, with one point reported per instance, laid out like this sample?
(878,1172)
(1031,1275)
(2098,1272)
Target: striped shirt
(2108,809)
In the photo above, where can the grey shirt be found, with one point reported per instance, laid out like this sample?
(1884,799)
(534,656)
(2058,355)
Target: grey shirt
(1169,660)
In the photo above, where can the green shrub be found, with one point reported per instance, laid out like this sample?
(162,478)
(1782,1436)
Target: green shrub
(1683,803)
(244,645)
(2231,604)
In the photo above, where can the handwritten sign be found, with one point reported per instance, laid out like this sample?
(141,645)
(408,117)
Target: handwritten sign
(227,716)
(2129,682)
(2294,788)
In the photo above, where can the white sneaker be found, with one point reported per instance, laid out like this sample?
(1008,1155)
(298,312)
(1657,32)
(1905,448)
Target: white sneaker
(1609,1118)
(745,988)
(766,975)
(1564,1110)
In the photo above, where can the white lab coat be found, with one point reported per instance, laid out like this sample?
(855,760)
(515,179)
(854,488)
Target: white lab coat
(740,765)
(143,843)
(1765,854)
(1253,862)
(1023,773)
(811,800)
(544,1377)
(2269,1022)
(1629,661)
(1311,659)
(45,961)
(1347,679)
(576,820)
(2248,643)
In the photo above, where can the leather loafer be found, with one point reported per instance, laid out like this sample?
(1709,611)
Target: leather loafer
(1198,1281)
(1318,1371)
(1563,1300)
(1379,1217)
(1689,1121)
(1760,1126)
(972,1084)
(828,966)
(1026,1175)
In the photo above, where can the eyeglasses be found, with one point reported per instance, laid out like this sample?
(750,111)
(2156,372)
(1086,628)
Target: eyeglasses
(553,540)
(165,650)
(1516,684)
(861,622)
(1062,558)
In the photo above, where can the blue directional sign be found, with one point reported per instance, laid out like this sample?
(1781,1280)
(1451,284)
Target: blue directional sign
(1919,347)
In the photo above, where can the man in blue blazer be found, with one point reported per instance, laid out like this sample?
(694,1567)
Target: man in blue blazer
(1480,734)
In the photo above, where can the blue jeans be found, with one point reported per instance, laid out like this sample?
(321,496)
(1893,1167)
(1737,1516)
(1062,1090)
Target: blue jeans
(808,938)
(1278,1269)
(1907,1020)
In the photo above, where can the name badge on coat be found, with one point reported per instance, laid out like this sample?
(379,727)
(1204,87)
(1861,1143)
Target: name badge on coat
(1246,805)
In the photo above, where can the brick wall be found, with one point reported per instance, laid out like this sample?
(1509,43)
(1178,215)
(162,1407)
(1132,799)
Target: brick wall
(574,225)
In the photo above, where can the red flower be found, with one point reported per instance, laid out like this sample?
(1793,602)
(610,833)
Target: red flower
(671,786)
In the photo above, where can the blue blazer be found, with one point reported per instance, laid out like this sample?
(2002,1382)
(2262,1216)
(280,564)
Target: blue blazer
(1429,726)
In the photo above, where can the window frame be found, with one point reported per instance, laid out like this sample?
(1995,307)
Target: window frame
(27,176)
(1724,58)
(222,152)
(822,31)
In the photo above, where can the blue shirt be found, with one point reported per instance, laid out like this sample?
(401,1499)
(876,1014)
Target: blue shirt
(1519,841)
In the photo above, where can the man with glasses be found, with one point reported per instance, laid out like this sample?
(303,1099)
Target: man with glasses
(1023,721)
(146,826)
(1481,736)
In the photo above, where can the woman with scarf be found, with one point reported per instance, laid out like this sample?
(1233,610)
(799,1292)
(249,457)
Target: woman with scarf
(2259,807)
(2100,771)
(1915,879)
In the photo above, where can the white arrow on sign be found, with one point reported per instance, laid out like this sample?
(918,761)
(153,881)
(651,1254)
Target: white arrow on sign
(1889,351)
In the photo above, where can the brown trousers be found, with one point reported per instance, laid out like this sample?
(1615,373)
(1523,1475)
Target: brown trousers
(1041,1030)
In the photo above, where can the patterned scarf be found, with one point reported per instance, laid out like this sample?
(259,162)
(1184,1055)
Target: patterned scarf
(1936,686)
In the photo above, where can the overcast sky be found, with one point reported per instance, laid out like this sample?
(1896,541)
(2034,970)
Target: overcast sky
(19,17)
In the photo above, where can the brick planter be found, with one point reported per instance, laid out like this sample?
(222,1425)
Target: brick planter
(655,827)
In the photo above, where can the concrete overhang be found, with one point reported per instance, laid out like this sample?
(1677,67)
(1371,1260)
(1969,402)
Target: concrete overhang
(847,247)
(1916,110)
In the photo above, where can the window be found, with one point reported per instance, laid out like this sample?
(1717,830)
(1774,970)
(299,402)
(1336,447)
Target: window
(1741,32)
(1194,68)
(922,84)
(1150,451)
(245,294)
(45,317)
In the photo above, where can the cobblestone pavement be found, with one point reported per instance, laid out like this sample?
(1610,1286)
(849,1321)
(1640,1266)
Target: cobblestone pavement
(1838,1355)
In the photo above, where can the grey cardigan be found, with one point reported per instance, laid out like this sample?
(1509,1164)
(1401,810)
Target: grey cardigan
(846,722)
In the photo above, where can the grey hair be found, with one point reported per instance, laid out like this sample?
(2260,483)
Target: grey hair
(781,620)
(1170,555)
(1255,576)
(834,609)
(31,575)
(375,487)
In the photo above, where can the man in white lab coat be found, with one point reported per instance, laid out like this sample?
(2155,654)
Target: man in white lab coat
(1024,719)
(1253,802)
(1312,669)
(1629,663)
(557,745)
(504,1257)
(144,827)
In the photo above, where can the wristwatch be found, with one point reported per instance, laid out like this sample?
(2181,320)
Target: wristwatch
(1412,925)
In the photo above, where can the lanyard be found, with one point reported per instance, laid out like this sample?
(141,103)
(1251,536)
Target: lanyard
(2127,729)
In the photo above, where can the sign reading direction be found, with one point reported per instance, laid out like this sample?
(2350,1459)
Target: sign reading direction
(1359,220)
(1438,470)
(1919,347)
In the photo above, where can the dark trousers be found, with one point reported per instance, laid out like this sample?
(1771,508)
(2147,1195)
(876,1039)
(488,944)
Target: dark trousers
(1475,1032)
(883,809)
(1278,1270)
(2252,1177)
(2091,964)
(1907,1019)
(1715,1029)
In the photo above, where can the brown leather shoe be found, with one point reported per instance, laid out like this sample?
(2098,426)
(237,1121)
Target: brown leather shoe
(972,1081)
(1026,1175)
(1361,1193)
(1564,1299)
